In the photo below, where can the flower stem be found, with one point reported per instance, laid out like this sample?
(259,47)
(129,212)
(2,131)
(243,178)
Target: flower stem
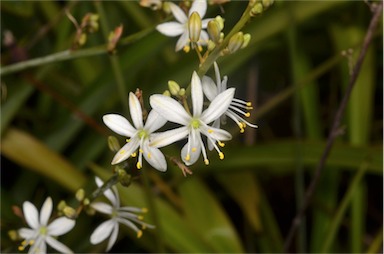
(107,185)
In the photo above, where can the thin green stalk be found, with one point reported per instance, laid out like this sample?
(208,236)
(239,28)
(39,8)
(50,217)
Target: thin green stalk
(152,208)
(113,58)
(337,219)
(107,185)
(377,242)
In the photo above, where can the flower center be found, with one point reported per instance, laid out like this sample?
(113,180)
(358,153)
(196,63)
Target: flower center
(143,134)
(43,230)
(195,123)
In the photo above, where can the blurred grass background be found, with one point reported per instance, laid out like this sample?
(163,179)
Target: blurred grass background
(53,140)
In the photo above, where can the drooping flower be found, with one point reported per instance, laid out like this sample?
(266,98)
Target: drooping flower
(125,215)
(180,27)
(194,124)
(139,135)
(236,108)
(41,232)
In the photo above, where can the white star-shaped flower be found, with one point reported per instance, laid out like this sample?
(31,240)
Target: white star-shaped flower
(236,108)
(41,232)
(174,28)
(193,125)
(139,135)
(125,215)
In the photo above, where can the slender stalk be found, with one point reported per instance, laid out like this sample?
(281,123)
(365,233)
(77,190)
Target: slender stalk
(335,127)
(107,185)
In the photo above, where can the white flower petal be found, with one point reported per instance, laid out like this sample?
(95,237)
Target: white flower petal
(26,233)
(218,106)
(128,223)
(209,88)
(119,124)
(154,121)
(113,238)
(168,137)
(204,37)
(111,196)
(200,6)
(135,110)
(31,215)
(197,95)
(38,246)
(195,149)
(216,124)
(204,23)
(46,211)
(218,134)
(126,151)
(57,245)
(102,207)
(155,157)
(182,41)
(178,13)
(169,108)
(218,77)
(102,231)
(60,226)
(171,29)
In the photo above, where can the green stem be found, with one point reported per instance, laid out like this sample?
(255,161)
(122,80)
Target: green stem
(107,185)
(152,208)
(113,58)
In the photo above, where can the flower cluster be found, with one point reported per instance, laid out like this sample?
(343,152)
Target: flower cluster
(194,123)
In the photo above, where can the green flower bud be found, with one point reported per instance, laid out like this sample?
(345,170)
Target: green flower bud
(267,3)
(167,93)
(220,21)
(113,144)
(69,212)
(236,42)
(257,9)
(80,194)
(182,92)
(211,45)
(173,87)
(247,39)
(14,235)
(194,27)
(62,204)
(214,30)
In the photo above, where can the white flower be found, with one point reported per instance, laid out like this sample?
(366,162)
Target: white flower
(193,125)
(41,232)
(139,135)
(124,215)
(174,28)
(237,106)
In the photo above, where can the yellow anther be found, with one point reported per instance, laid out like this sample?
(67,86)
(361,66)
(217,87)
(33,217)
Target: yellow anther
(21,248)
(221,155)
(149,155)
(241,130)
(244,125)
(186,48)
(143,226)
(122,152)
(31,242)
(249,107)
(24,242)
(210,131)
(127,140)
(247,114)
(139,233)
(138,165)
(133,154)
(206,161)
(221,143)
(200,48)
(249,104)
(188,157)
(144,210)
(194,149)
(141,150)
(140,217)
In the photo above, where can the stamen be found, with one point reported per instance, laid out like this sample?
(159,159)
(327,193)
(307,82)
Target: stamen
(127,140)
(221,143)
(149,155)
(144,210)
(249,104)
(122,152)
(221,155)
(194,149)
(143,226)
(21,248)
(140,217)
(206,161)
(141,150)
(139,233)
(188,157)
(247,114)
(138,165)
(200,48)
(210,131)
(133,155)
(186,48)
(31,242)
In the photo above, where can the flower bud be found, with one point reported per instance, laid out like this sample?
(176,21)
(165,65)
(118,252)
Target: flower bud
(124,178)
(194,27)
(69,212)
(167,93)
(62,204)
(247,39)
(267,3)
(113,144)
(211,45)
(173,87)
(182,92)
(214,30)
(257,9)
(80,194)
(14,235)
(220,21)
(236,42)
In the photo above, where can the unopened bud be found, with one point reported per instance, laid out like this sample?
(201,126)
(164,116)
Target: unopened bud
(211,45)
(113,144)
(69,212)
(86,201)
(80,194)
(14,235)
(247,39)
(82,39)
(173,87)
(166,7)
(236,42)
(194,27)
(167,93)
(256,9)
(267,3)
(62,204)
(182,92)
(124,178)
(220,21)
(214,30)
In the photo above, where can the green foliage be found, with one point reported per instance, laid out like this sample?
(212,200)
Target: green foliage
(53,140)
